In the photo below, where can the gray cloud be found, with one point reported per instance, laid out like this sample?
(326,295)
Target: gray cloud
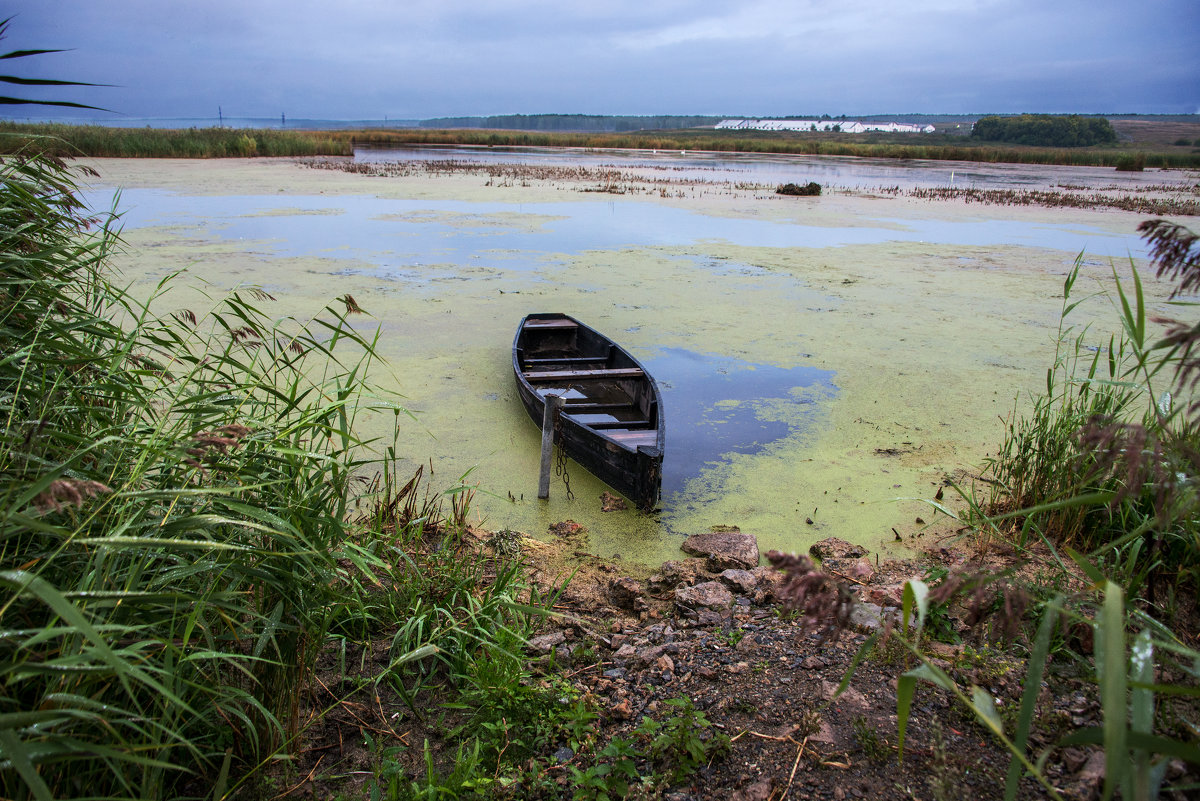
(363,59)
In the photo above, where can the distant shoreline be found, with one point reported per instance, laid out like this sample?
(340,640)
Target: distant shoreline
(1145,143)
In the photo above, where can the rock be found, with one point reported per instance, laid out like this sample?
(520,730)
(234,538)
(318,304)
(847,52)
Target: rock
(647,655)
(860,568)
(850,701)
(1091,776)
(710,596)
(544,643)
(724,549)
(1073,759)
(625,593)
(673,573)
(626,651)
(824,734)
(890,595)
(564,754)
(866,616)
(769,580)
(835,548)
(759,791)
(739,581)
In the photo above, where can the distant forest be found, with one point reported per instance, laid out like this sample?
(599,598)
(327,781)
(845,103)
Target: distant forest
(1045,130)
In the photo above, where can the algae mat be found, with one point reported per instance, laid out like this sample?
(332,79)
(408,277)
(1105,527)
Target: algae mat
(827,362)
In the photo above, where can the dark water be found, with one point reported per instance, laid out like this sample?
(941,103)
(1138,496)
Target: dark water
(714,406)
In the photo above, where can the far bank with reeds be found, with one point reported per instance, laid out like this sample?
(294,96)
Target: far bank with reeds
(105,142)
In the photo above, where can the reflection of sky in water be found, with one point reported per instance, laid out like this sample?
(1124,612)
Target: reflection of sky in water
(397,235)
(772,169)
(713,406)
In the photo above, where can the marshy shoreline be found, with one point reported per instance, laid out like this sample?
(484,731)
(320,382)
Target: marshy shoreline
(213,560)
(877,315)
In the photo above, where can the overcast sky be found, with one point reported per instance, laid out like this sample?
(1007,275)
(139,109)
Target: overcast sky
(369,59)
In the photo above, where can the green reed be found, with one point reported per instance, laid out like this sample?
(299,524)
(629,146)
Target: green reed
(1104,461)
(101,141)
(175,521)
(190,143)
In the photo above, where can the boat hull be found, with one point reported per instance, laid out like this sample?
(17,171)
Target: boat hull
(612,419)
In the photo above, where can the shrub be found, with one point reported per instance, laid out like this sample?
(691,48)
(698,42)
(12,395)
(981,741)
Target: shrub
(1045,130)
(810,188)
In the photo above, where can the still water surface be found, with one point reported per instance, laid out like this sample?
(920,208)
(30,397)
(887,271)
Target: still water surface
(771,169)
(719,406)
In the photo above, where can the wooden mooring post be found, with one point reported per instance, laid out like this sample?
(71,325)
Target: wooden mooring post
(554,404)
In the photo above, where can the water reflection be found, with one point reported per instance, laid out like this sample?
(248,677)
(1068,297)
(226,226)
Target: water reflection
(773,169)
(399,234)
(718,405)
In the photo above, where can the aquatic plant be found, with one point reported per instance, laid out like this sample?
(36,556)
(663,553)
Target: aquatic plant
(221,142)
(192,143)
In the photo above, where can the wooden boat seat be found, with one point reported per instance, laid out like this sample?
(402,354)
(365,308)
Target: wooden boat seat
(633,439)
(578,375)
(545,324)
(635,425)
(569,360)
(585,406)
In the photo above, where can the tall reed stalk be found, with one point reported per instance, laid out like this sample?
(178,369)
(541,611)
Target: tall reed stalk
(173,496)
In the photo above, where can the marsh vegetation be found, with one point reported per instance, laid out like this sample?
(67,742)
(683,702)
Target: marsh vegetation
(98,141)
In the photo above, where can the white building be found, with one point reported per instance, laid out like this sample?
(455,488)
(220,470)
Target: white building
(844,126)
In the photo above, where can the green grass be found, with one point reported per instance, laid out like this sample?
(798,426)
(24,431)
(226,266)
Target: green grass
(1064,472)
(1102,472)
(191,143)
(98,141)
(178,534)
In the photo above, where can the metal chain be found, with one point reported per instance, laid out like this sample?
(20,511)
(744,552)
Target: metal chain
(560,457)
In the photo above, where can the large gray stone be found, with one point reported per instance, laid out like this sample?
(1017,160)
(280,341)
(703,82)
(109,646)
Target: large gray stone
(724,549)
(710,596)
(626,593)
(739,581)
(675,572)
(545,643)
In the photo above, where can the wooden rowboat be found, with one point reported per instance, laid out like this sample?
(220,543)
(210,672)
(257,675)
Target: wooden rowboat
(612,418)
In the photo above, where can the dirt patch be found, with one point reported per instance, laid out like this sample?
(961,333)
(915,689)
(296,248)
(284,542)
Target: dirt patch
(1159,132)
(628,647)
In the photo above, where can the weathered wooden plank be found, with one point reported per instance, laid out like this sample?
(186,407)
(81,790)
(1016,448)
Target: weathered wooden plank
(634,438)
(571,375)
(598,425)
(568,360)
(553,323)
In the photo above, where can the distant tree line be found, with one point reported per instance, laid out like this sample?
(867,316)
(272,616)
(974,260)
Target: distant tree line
(1045,130)
(572,122)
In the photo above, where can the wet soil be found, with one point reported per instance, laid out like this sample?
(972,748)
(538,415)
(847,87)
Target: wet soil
(756,671)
